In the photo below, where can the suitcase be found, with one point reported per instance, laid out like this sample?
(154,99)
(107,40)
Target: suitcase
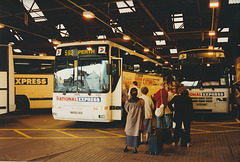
(167,136)
(155,142)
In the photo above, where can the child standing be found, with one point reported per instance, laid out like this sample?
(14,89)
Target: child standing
(147,122)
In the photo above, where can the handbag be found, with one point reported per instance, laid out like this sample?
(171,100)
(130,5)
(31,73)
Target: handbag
(160,110)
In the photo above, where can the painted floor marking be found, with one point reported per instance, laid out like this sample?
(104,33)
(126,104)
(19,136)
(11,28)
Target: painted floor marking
(67,133)
(119,135)
(23,134)
(233,128)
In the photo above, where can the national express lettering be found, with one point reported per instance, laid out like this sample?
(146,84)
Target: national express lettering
(207,94)
(79,99)
(31,81)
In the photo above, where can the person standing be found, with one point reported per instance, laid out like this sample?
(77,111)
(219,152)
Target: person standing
(147,122)
(135,109)
(161,97)
(168,113)
(183,108)
(134,85)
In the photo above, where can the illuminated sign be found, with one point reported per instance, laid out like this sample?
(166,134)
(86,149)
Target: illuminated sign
(86,52)
(58,52)
(182,56)
(220,54)
(31,81)
(102,49)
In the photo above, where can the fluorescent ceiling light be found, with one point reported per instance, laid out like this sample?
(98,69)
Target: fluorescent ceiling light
(157,33)
(62,30)
(211,33)
(16,35)
(126,37)
(214,3)
(101,37)
(223,30)
(173,50)
(64,33)
(88,14)
(160,42)
(146,50)
(17,50)
(126,6)
(178,25)
(177,19)
(177,15)
(233,1)
(222,40)
(34,11)
(117,31)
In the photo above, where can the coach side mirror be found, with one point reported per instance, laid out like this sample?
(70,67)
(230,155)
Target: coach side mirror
(109,69)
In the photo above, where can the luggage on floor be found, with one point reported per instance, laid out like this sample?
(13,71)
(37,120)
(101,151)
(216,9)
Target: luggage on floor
(155,142)
(167,136)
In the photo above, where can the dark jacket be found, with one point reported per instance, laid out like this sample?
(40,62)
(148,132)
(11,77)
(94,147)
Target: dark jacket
(183,107)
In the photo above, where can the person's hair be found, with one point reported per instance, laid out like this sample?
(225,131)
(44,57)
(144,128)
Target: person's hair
(135,83)
(134,97)
(134,92)
(182,91)
(144,90)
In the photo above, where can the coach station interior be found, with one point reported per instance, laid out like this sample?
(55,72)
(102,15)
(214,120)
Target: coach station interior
(161,30)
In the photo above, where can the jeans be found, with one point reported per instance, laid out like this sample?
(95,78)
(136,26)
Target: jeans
(168,118)
(164,121)
(161,121)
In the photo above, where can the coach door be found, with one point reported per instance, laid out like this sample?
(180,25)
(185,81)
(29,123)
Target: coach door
(116,78)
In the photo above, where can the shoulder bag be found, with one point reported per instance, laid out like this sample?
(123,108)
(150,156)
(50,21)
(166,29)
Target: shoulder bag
(160,110)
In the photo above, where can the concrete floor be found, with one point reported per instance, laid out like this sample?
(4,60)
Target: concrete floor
(38,137)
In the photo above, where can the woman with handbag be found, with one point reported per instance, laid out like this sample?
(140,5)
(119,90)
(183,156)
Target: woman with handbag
(161,98)
(135,109)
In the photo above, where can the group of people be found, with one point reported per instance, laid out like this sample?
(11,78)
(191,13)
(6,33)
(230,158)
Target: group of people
(140,107)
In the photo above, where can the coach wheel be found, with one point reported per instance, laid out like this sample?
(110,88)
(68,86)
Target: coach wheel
(22,104)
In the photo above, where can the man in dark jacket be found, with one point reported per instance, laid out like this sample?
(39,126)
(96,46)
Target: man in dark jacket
(183,108)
